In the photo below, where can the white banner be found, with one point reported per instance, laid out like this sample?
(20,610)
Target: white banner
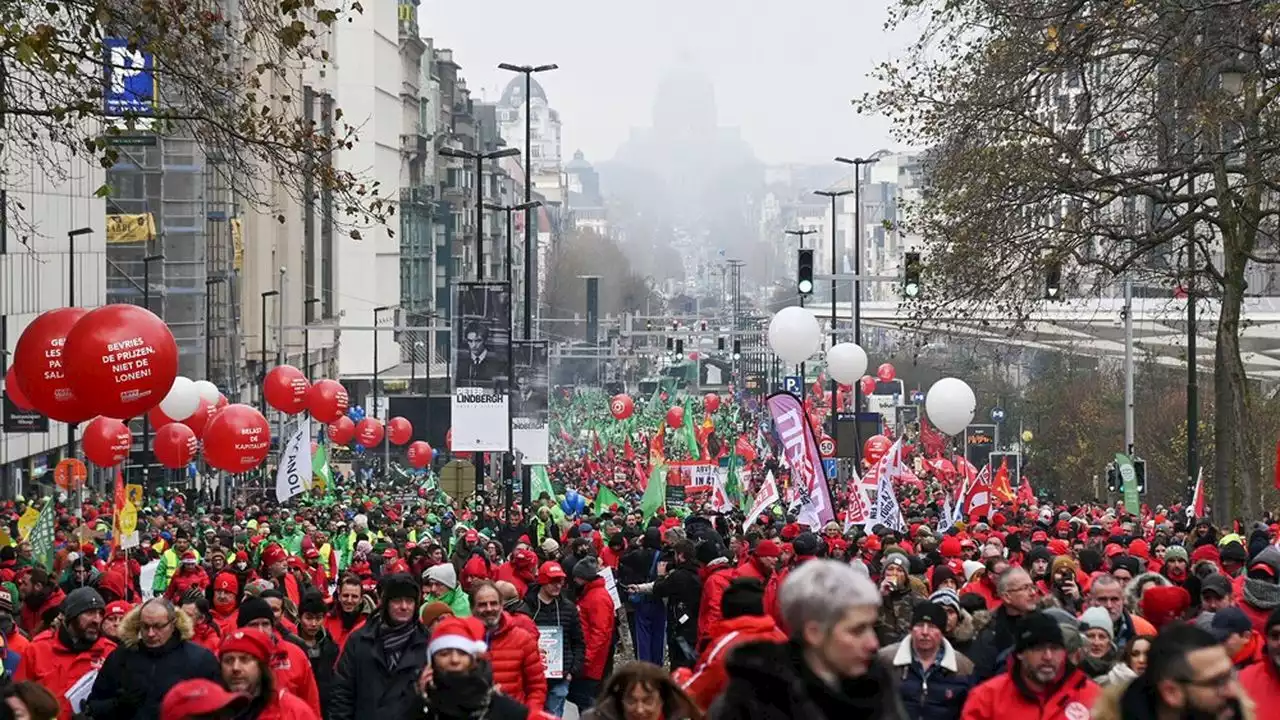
(293,477)
(886,511)
(482,369)
(530,411)
(767,496)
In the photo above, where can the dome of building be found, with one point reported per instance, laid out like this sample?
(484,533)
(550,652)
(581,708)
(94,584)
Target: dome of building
(578,163)
(513,95)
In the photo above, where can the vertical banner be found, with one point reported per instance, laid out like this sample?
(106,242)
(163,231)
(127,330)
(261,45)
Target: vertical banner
(293,477)
(530,386)
(482,367)
(800,450)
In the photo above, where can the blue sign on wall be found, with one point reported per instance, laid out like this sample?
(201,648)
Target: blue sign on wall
(791,384)
(129,80)
(829,468)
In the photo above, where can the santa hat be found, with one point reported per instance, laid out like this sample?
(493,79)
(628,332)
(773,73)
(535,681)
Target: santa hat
(454,633)
(189,558)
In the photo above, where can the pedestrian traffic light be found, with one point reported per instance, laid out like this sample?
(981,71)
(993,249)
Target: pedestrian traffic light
(1140,475)
(911,270)
(804,263)
(1114,483)
(671,345)
(737,349)
(680,348)
(1053,281)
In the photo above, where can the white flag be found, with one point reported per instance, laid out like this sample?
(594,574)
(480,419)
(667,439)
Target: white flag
(886,511)
(293,477)
(766,496)
(946,520)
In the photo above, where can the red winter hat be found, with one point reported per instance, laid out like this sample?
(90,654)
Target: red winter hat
(550,572)
(251,642)
(1039,536)
(200,698)
(1162,604)
(768,549)
(471,536)
(311,553)
(998,520)
(525,559)
(1138,548)
(119,607)
(1063,526)
(226,582)
(242,556)
(1059,547)
(950,547)
(1113,549)
(455,633)
(273,554)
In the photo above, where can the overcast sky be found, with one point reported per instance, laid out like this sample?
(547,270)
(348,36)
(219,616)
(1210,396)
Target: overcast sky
(784,72)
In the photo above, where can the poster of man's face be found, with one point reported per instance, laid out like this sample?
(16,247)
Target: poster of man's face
(483,322)
(529,386)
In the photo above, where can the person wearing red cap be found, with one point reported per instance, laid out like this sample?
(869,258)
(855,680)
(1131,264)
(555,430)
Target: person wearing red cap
(520,571)
(275,567)
(171,559)
(111,619)
(456,680)
(202,699)
(226,602)
(762,561)
(550,609)
(245,660)
(190,576)
(513,651)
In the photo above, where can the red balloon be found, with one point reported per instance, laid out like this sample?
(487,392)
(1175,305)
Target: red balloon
(369,432)
(106,441)
(675,416)
(237,439)
(158,419)
(199,419)
(175,445)
(399,430)
(711,402)
(285,389)
(222,402)
(419,454)
(122,359)
(14,392)
(341,431)
(41,371)
(875,447)
(886,373)
(867,384)
(621,406)
(327,401)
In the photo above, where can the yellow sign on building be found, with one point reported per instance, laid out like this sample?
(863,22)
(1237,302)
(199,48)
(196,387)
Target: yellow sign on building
(130,228)
(237,243)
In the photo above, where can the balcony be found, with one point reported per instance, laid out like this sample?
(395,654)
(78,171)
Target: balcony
(421,195)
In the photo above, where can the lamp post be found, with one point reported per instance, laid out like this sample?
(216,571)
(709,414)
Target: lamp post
(509,209)
(71,302)
(306,335)
(800,234)
(857,164)
(834,195)
(146,423)
(529,237)
(262,372)
(386,449)
(208,325)
(479,158)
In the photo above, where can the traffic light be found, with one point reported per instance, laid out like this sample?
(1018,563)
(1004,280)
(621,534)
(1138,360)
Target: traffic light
(737,349)
(1114,483)
(1053,281)
(911,269)
(720,344)
(1140,475)
(671,345)
(680,348)
(703,326)
(804,263)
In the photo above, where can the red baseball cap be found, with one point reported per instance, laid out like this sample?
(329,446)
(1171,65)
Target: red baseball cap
(550,572)
(199,697)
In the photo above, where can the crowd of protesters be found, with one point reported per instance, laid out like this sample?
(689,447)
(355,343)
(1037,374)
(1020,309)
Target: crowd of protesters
(402,606)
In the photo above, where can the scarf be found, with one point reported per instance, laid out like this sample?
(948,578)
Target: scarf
(76,644)
(348,618)
(1261,594)
(460,695)
(395,638)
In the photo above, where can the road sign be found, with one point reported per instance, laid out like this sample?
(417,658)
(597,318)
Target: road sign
(829,468)
(917,396)
(997,415)
(792,384)
(827,447)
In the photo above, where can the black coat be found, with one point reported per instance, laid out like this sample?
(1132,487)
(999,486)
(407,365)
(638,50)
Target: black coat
(133,680)
(365,686)
(324,660)
(992,645)
(565,614)
(682,590)
(770,681)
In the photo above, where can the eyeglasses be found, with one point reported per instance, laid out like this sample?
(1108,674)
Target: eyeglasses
(1217,682)
(154,627)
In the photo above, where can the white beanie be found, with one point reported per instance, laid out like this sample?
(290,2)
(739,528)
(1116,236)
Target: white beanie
(443,574)
(1096,618)
(971,567)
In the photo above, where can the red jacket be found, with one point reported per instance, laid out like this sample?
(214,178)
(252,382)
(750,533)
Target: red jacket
(29,618)
(715,580)
(710,678)
(595,610)
(988,593)
(751,568)
(1261,683)
(508,572)
(48,662)
(183,581)
(292,669)
(524,622)
(772,607)
(1000,698)
(336,630)
(517,663)
(208,635)
(226,623)
(287,706)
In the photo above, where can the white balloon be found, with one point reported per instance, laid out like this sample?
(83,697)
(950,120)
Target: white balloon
(182,400)
(794,334)
(207,391)
(950,404)
(846,362)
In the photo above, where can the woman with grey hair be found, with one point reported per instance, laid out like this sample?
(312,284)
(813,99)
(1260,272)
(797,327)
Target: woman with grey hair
(828,668)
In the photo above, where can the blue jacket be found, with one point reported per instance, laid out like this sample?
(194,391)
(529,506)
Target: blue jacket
(937,694)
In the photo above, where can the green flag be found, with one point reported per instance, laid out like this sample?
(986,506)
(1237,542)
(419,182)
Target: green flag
(656,493)
(690,435)
(320,467)
(540,482)
(41,537)
(733,484)
(606,497)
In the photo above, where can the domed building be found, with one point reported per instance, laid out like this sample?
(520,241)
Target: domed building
(544,128)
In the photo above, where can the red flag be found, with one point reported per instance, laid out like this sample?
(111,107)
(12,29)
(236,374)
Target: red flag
(1025,495)
(977,501)
(628,452)
(1000,488)
(1197,497)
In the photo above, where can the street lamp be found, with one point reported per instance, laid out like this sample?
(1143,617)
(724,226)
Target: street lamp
(508,209)
(262,372)
(529,237)
(857,164)
(306,335)
(146,422)
(479,157)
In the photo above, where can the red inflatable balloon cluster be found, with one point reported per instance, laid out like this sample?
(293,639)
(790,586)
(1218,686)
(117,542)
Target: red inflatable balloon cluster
(419,454)
(286,389)
(237,439)
(399,430)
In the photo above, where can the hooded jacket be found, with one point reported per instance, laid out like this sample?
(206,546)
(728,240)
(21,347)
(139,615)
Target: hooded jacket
(710,677)
(50,662)
(595,609)
(517,664)
(135,678)
(1258,598)
(1005,697)
(715,579)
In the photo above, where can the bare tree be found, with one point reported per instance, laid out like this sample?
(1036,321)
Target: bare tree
(233,83)
(585,252)
(1110,137)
